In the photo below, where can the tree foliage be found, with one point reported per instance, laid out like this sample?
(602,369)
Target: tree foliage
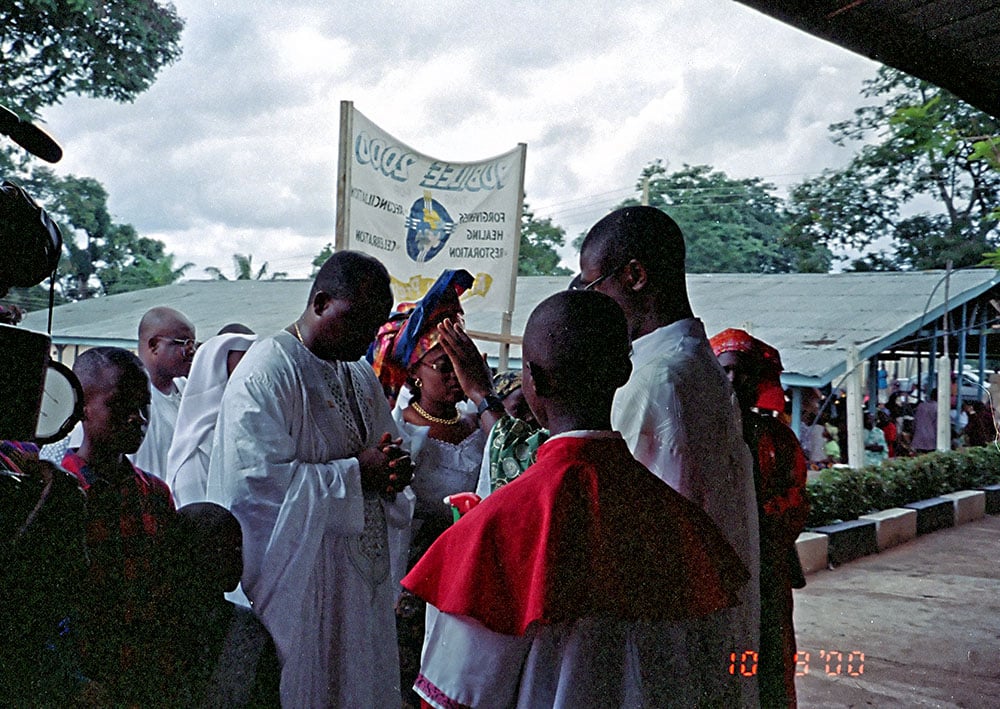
(53,48)
(50,49)
(917,193)
(539,239)
(100,256)
(321,258)
(730,225)
(243,270)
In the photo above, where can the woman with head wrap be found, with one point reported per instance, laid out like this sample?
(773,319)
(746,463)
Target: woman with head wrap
(191,447)
(754,369)
(445,444)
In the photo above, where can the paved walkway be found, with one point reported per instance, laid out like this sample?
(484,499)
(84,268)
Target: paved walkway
(925,616)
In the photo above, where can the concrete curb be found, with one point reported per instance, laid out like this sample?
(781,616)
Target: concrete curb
(970,505)
(831,545)
(893,526)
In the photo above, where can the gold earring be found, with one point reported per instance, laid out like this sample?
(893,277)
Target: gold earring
(417,383)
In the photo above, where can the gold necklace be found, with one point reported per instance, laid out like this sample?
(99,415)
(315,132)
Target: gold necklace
(436,419)
(297,333)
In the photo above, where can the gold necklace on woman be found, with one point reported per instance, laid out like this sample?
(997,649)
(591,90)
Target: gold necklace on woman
(436,419)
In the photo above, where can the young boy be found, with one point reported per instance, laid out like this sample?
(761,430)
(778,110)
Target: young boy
(586,580)
(218,653)
(127,511)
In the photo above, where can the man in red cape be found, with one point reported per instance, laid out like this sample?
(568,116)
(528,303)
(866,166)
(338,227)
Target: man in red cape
(582,581)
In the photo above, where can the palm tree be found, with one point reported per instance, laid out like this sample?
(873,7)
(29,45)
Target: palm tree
(244,270)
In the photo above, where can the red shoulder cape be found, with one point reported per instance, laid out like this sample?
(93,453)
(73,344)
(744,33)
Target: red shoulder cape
(586,531)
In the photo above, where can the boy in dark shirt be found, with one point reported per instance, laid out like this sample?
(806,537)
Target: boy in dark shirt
(127,511)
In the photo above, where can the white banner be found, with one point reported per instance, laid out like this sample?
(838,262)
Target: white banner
(419,215)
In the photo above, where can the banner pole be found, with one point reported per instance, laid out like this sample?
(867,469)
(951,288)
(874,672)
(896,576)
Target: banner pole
(344,174)
(508,315)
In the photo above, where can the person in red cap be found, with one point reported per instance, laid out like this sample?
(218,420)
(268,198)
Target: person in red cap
(583,581)
(779,466)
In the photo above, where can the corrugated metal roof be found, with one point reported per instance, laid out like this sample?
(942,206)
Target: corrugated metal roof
(813,319)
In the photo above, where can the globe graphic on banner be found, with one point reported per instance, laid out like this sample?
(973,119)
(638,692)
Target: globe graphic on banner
(428,227)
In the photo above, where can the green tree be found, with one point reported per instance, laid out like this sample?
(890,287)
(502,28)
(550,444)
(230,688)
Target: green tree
(53,48)
(100,256)
(243,265)
(919,146)
(320,259)
(50,49)
(730,225)
(539,238)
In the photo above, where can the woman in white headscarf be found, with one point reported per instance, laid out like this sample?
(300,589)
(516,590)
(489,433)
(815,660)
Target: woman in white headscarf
(187,460)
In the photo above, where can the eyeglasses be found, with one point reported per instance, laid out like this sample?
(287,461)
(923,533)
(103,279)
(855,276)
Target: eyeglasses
(187,344)
(442,366)
(578,284)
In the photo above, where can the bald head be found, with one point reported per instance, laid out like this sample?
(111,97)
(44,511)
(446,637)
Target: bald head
(166,346)
(159,319)
(576,353)
(204,545)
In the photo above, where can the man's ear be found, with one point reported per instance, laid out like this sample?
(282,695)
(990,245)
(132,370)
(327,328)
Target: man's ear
(635,275)
(320,302)
(152,344)
(543,381)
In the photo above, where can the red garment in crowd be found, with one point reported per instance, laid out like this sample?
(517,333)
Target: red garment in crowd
(780,477)
(891,434)
(126,517)
(586,531)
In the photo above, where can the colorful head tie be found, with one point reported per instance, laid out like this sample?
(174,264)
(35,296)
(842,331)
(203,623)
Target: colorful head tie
(506,383)
(764,358)
(412,331)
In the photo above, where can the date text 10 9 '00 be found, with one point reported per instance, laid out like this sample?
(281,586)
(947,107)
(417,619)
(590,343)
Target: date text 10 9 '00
(834,662)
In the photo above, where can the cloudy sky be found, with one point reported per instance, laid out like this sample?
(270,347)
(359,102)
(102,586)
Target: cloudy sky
(234,148)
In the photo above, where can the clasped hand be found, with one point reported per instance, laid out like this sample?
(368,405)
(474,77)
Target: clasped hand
(385,468)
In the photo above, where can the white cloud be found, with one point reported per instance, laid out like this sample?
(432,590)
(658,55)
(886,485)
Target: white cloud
(234,148)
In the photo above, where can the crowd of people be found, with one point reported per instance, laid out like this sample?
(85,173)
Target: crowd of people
(265,520)
(895,428)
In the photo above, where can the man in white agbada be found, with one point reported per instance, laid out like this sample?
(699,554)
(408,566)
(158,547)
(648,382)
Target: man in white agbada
(166,348)
(679,415)
(191,448)
(306,457)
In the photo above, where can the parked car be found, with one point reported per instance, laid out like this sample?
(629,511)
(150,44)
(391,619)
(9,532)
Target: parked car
(972,388)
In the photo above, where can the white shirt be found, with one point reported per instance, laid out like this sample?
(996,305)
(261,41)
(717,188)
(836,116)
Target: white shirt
(680,419)
(317,552)
(152,454)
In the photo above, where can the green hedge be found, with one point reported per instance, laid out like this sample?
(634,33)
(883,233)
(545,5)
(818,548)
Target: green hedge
(841,494)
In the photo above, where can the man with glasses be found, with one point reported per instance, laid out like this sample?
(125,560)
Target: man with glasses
(166,348)
(679,416)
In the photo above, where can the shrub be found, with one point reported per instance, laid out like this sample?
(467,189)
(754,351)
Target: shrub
(840,494)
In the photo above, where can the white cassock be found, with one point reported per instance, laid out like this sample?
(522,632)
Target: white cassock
(152,454)
(680,419)
(580,663)
(191,447)
(317,566)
